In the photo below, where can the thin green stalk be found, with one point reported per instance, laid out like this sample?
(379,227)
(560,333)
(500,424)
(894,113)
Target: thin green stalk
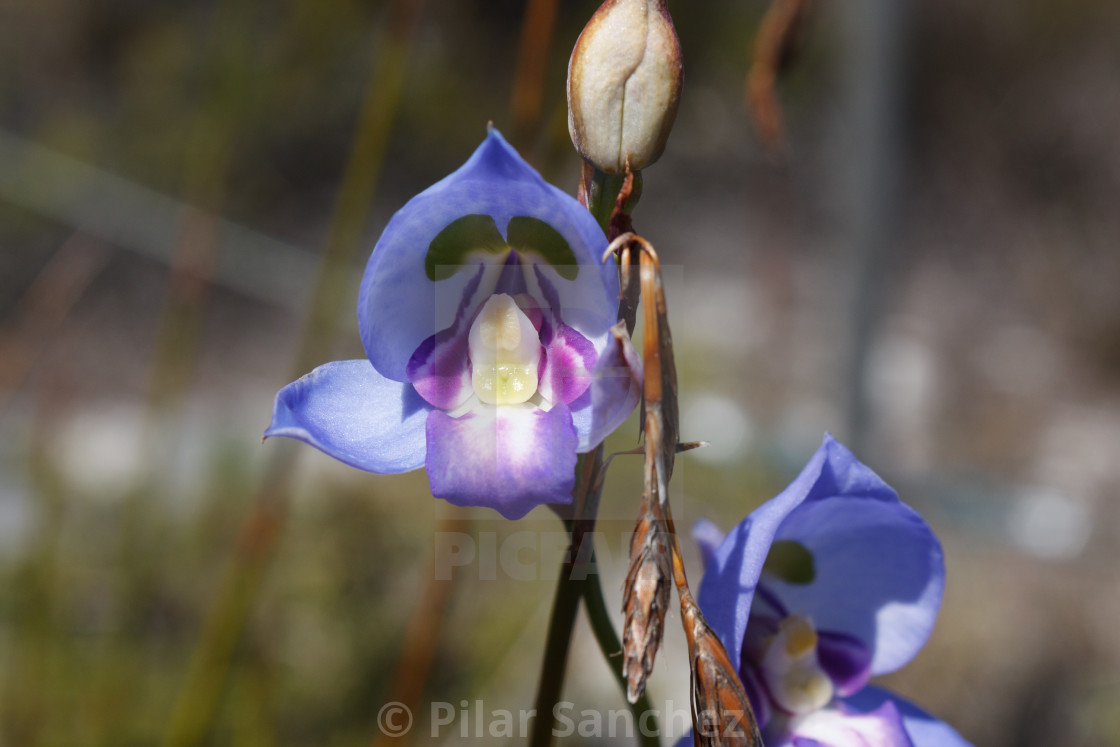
(564,605)
(565,602)
(579,578)
(575,581)
(602,197)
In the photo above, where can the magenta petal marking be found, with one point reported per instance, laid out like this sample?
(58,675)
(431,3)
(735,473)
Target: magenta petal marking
(439,368)
(845,659)
(569,360)
(440,371)
(509,458)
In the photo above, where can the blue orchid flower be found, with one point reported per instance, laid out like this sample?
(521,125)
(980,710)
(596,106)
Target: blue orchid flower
(830,583)
(486,314)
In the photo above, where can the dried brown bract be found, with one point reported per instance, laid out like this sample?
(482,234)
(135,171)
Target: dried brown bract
(721,713)
(661,415)
(646,598)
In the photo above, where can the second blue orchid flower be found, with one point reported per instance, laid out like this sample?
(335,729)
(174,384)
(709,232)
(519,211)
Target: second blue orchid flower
(485,313)
(828,584)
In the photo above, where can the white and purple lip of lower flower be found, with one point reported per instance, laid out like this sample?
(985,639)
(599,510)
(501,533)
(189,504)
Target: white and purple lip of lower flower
(486,316)
(828,584)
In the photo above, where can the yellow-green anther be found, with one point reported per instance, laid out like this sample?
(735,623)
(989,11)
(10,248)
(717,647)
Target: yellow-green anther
(624,84)
(505,352)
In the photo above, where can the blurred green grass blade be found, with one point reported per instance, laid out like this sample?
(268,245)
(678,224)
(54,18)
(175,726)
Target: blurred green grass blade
(199,699)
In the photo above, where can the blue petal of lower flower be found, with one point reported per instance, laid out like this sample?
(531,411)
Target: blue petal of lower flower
(708,537)
(924,729)
(509,458)
(879,575)
(730,579)
(349,411)
(879,569)
(845,659)
(830,727)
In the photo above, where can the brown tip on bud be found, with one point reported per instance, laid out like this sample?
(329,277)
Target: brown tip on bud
(721,712)
(645,599)
(624,84)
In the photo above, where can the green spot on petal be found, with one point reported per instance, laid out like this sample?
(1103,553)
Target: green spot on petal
(791,562)
(449,249)
(534,236)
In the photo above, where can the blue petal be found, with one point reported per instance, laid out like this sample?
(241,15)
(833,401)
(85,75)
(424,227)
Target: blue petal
(879,575)
(841,727)
(616,388)
(924,729)
(729,582)
(510,458)
(879,569)
(845,659)
(708,537)
(399,307)
(349,411)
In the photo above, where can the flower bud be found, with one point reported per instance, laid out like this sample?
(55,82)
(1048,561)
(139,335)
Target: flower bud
(624,83)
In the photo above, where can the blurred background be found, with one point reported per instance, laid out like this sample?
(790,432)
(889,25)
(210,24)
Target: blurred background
(188,193)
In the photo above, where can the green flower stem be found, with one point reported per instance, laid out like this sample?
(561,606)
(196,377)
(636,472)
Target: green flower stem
(579,577)
(564,605)
(575,581)
(565,602)
(603,195)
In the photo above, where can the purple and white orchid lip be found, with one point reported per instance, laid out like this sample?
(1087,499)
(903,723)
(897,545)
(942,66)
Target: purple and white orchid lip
(486,317)
(833,581)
